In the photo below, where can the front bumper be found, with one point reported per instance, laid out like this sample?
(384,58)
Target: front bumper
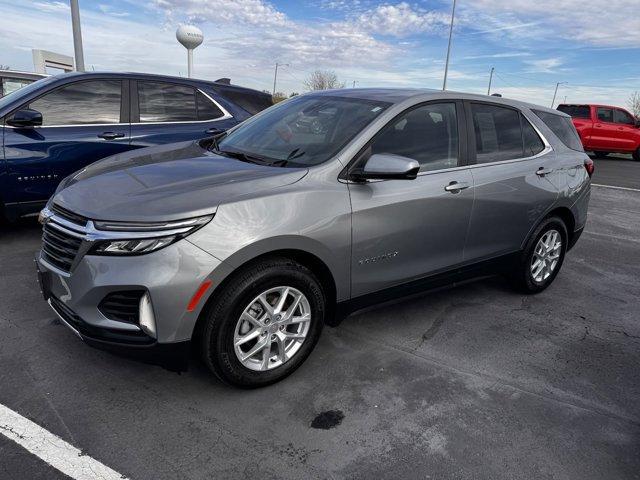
(170,276)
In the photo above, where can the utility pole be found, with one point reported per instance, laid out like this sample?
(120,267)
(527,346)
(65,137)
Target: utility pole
(556,92)
(490,78)
(446,65)
(77,35)
(275,75)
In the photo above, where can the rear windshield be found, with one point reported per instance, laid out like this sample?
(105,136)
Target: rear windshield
(563,128)
(576,111)
(252,102)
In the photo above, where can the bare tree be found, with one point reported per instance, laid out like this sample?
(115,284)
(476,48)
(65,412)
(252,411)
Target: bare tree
(634,103)
(323,80)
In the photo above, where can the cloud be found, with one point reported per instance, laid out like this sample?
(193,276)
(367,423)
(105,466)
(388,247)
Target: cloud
(498,55)
(545,65)
(401,20)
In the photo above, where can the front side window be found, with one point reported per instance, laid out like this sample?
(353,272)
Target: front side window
(605,114)
(498,133)
(620,116)
(304,131)
(428,134)
(82,103)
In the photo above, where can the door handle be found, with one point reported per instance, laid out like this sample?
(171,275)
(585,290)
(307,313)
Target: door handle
(111,135)
(541,172)
(214,131)
(455,187)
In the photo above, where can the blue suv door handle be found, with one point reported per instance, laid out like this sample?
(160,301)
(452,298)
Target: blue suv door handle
(214,131)
(111,135)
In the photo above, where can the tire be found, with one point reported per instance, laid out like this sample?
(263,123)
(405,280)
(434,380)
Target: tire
(601,154)
(523,273)
(239,297)
(636,155)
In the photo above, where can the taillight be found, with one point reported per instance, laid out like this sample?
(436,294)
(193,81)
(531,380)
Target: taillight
(589,166)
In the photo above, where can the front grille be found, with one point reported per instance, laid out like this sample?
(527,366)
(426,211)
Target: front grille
(122,306)
(69,215)
(127,337)
(59,248)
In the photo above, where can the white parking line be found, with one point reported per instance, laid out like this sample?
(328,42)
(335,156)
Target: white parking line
(617,188)
(52,449)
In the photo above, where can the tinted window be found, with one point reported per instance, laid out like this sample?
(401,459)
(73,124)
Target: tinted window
(252,102)
(10,85)
(576,111)
(562,127)
(207,110)
(531,141)
(498,133)
(605,114)
(96,101)
(428,134)
(166,102)
(620,116)
(305,130)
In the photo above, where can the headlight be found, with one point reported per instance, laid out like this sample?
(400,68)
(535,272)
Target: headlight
(138,238)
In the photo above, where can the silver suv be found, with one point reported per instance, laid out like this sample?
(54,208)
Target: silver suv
(247,243)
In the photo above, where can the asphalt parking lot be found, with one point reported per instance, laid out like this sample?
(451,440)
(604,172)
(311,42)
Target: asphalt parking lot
(474,382)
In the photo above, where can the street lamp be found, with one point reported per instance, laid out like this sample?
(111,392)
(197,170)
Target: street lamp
(556,92)
(275,75)
(446,65)
(77,35)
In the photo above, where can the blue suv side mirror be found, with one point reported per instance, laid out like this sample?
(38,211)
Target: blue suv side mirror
(25,118)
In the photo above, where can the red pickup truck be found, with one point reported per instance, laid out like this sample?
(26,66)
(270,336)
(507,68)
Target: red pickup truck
(604,129)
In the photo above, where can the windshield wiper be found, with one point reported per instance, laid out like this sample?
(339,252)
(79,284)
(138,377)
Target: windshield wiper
(244,157)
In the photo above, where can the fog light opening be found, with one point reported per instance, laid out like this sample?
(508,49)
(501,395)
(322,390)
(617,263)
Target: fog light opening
(147,318)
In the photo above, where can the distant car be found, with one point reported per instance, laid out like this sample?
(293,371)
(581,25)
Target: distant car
(248,242)
(62,123)
(605,129)
(10,80)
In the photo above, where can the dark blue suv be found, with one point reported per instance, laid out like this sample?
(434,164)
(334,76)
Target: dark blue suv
(60,124)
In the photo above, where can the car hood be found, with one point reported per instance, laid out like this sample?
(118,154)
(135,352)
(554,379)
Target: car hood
(164,183)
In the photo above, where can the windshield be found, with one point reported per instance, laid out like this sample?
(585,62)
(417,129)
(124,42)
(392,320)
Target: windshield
(303,131)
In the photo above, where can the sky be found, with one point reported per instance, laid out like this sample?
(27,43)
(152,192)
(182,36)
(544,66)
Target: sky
(593,46)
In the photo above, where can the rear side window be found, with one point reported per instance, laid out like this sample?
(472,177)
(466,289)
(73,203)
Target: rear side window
(428,134)
(167,102)
(498,133)
(563,128)
(605,114)
(531,141)
(82,103)
(249,101)
(576,111)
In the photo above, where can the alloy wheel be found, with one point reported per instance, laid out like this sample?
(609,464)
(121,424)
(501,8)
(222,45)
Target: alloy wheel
(546,256)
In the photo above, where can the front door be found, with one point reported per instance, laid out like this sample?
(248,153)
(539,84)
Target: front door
(404,230)
(604,136)
(626,130)
(81,123)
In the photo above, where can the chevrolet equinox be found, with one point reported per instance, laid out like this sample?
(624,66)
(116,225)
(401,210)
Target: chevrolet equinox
(246,243)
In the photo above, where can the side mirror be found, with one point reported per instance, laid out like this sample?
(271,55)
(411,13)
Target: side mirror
(25,118)
(386,166)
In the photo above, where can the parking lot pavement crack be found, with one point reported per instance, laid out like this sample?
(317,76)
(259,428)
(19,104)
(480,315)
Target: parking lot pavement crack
(586,406)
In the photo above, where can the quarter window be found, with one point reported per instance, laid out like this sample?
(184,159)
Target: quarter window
(531,141)
(605,114)
(620,116)
(498,133)
(167,102)
(428,134)
(92,102)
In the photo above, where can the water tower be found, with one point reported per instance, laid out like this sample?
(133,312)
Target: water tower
(190,37)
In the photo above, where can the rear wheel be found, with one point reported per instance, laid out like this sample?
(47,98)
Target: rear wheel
(542,257)
(601,154)
(264,323)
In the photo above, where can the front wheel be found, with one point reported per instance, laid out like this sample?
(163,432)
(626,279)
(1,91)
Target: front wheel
(264,323)
(636,155)
(542,257)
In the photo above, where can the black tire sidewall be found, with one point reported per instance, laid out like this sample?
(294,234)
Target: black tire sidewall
(218,348)
(525,279)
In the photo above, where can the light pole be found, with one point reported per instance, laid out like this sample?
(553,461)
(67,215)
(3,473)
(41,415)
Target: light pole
(77,35)
(490,78)
(275,75)
(446,65)
(556,92)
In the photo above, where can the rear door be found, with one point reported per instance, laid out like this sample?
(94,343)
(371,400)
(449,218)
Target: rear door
(514,179)
(82,122)
(165,112)
(605,135)
(403,230)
